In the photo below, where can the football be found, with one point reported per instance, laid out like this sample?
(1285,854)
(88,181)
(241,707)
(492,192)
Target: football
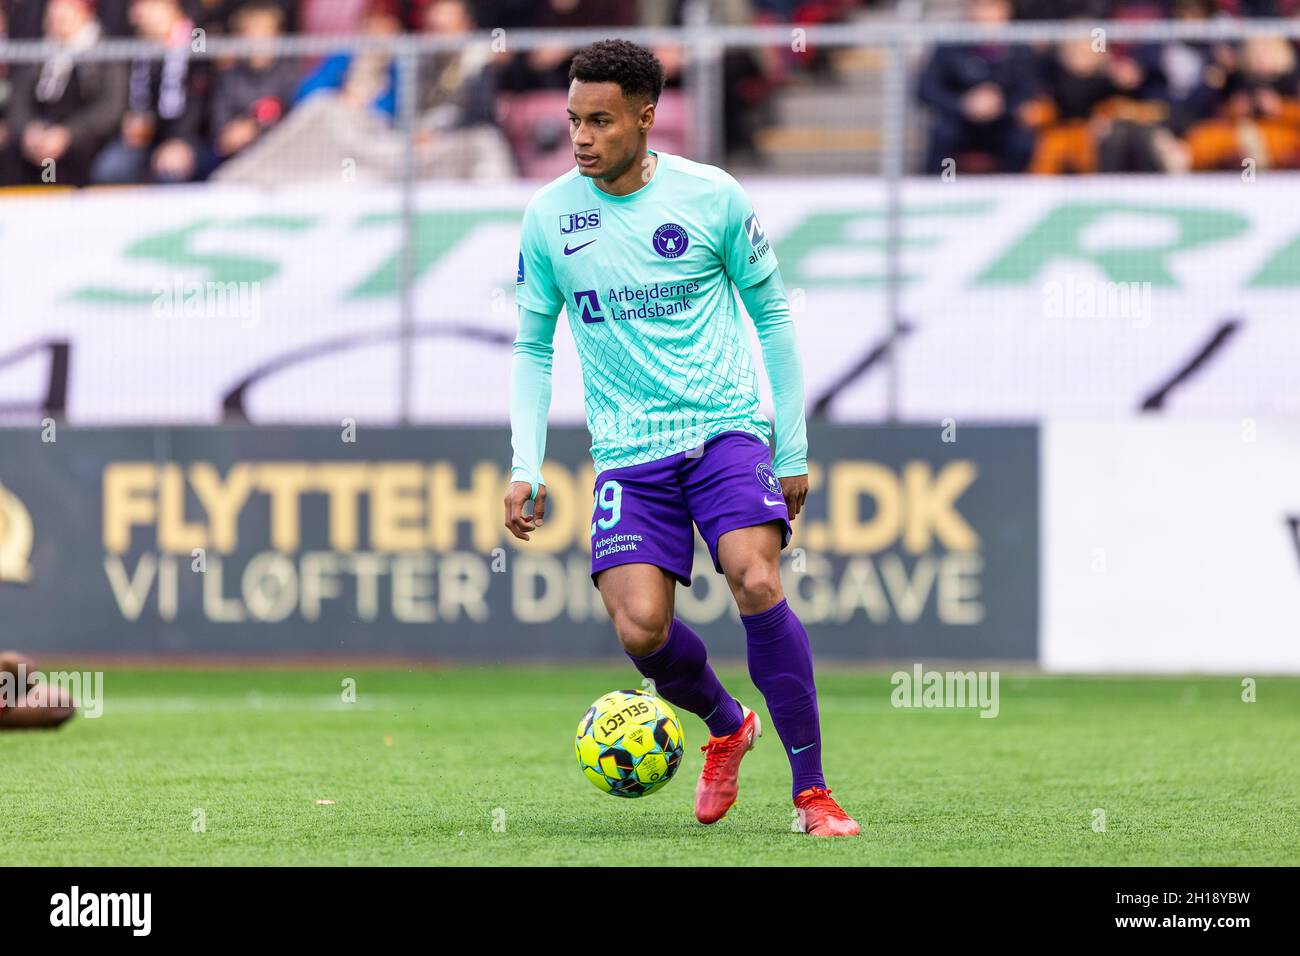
(629,743)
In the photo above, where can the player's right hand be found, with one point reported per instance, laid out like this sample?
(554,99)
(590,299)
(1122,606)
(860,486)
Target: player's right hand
(516,497)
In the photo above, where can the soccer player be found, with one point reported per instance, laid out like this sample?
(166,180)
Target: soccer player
(641,249)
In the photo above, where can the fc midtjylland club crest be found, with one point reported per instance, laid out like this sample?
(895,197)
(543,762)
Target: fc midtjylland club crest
(767,477)
(670,240)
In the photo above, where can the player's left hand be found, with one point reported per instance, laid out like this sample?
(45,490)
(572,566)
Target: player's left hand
(795,490)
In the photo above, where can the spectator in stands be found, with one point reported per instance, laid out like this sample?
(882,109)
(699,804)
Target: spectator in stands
(550,64)
(331,17)
(458,135)
(27,18)
(1064,9)
(748,75)
(1260,8)
(342,126)
(559,14)
(801,11)
(64,110)
(163,132)
(456,88)
(219,16)
(547,67)
(1175,70)
(1177,76)
(976,96)
(252,95)
(491,14)
(366,79)
(1085,108)
(1258,110)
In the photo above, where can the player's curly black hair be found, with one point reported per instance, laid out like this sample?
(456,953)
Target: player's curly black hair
(635,69)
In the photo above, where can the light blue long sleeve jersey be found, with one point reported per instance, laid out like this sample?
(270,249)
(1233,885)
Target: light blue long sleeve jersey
(646,281)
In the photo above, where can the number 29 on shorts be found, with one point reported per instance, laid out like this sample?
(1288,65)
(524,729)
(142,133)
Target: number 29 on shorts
(610,499)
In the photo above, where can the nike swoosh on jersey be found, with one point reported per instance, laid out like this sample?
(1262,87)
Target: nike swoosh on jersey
(569,252)
(779,501)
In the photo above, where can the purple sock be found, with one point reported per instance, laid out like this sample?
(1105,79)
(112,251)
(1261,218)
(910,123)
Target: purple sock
(683,677)
(781,666)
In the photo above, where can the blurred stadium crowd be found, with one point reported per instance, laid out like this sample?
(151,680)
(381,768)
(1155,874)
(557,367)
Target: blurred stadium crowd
(1068,108)
(184,119)
(1086,106)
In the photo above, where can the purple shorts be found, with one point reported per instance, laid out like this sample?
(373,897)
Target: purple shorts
(643,512)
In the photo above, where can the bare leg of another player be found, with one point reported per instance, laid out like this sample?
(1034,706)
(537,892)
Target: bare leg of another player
(40,706)
(781,667)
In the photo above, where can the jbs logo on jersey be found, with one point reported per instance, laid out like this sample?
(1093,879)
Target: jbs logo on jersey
(757,238)
(572,222)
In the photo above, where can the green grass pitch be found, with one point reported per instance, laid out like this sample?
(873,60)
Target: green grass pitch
(425,762)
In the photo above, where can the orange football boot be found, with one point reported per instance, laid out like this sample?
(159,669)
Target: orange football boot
(717,788)
(820,815)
